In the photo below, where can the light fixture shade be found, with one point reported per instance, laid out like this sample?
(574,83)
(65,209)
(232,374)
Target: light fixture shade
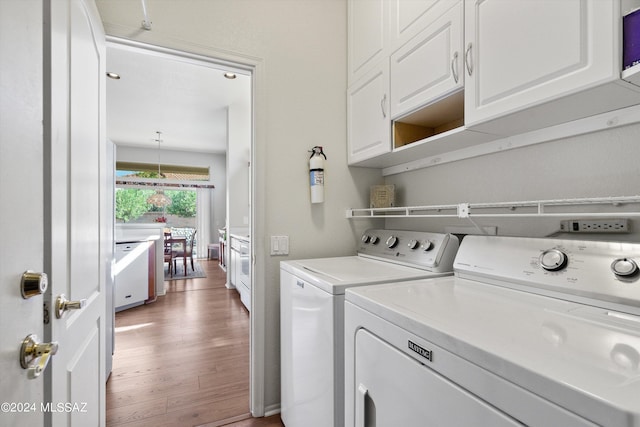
(159,199)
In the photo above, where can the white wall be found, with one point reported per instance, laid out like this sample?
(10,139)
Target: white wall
(299,47)
(217,174)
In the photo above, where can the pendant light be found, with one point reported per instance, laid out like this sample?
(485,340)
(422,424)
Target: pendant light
(159,199)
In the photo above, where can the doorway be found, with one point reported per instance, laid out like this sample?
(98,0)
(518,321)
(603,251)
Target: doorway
(199,122)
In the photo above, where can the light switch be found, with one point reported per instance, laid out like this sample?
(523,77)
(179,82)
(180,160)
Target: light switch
(279,245)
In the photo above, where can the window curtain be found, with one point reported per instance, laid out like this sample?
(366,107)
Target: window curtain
(203,221)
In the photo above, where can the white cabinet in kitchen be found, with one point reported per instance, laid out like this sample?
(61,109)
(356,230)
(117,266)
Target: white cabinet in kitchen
(239,268)
(533,64)
(132,274)
(409,17)
(430,65)
(367,35)
(368,128)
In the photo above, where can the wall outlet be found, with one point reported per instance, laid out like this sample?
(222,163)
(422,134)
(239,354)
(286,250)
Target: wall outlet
(595,226)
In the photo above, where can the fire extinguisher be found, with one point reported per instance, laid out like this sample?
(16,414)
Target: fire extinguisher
(316,174)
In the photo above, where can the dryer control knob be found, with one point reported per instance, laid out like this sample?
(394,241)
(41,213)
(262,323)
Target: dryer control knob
(366,238)
(624,267)
(392,242)
(413,244)
(553,260)
(374,240)
(427,246)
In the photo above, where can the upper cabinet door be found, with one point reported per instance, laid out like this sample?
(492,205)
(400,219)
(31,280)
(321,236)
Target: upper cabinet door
(368,123)
(430,66)
(368,31)
(409,17)
(521,53)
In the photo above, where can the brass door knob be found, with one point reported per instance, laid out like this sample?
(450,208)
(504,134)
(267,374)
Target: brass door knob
(34,356)
(63,305)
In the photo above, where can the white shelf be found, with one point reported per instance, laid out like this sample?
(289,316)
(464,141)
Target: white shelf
(626,206)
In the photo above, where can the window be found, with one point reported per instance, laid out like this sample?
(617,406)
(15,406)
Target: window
(132,207)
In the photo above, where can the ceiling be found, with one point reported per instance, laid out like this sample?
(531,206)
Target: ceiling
(184,98)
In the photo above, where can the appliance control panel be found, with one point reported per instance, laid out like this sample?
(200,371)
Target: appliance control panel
(604,273)
(432,251)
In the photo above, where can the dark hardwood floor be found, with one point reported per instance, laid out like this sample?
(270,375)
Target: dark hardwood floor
(184,359)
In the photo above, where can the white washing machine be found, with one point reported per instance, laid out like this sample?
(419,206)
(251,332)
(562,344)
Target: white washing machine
(312,314)
(536,332)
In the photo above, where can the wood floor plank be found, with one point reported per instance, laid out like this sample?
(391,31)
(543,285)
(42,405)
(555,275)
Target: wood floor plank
(184,359)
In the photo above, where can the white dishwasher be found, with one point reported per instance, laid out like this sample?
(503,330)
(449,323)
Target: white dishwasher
(132,274)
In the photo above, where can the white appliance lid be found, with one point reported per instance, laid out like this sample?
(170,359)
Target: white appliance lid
(334,275)
(584,358)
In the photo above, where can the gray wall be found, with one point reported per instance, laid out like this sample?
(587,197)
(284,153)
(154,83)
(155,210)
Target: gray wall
(301,51)
(599,164)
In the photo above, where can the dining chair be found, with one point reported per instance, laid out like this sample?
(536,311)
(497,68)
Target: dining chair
(189,251)
(168,253)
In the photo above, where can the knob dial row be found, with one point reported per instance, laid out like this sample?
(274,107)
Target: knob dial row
(370,239)
(393,241)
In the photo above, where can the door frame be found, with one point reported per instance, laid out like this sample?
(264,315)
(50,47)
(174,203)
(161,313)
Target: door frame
(255,67)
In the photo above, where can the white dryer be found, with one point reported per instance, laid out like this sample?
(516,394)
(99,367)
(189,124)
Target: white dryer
(312,314)
(536,332)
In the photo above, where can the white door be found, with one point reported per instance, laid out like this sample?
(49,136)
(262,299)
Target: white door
(392,389)
(21,203)
(522,53)
(51,188)
(368,122)
(76,250)
(368,35)
(429,67)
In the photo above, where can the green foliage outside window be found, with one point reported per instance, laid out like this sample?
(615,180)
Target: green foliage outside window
(131,203)
(183,203)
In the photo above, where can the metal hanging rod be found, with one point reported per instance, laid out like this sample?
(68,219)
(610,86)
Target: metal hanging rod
(535,208)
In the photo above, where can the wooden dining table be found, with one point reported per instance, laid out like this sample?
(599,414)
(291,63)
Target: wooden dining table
(182,241)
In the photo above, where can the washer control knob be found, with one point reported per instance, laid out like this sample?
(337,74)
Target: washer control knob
(413,244)
(366,238)
(374,240)
(553,260)
(392,242)
(427,246)
(624,267)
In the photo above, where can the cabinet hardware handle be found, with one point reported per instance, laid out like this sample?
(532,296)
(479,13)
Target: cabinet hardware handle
(468,59)
(454,66)
(383,103)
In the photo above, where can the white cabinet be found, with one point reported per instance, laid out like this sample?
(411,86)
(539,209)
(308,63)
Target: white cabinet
(430,65)
(239,268)
(426,36)
(369,133)
(409,17)
(521,54)
(367,35)
(132,274)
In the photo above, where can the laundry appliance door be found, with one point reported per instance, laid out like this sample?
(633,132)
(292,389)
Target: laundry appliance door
(394,389)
